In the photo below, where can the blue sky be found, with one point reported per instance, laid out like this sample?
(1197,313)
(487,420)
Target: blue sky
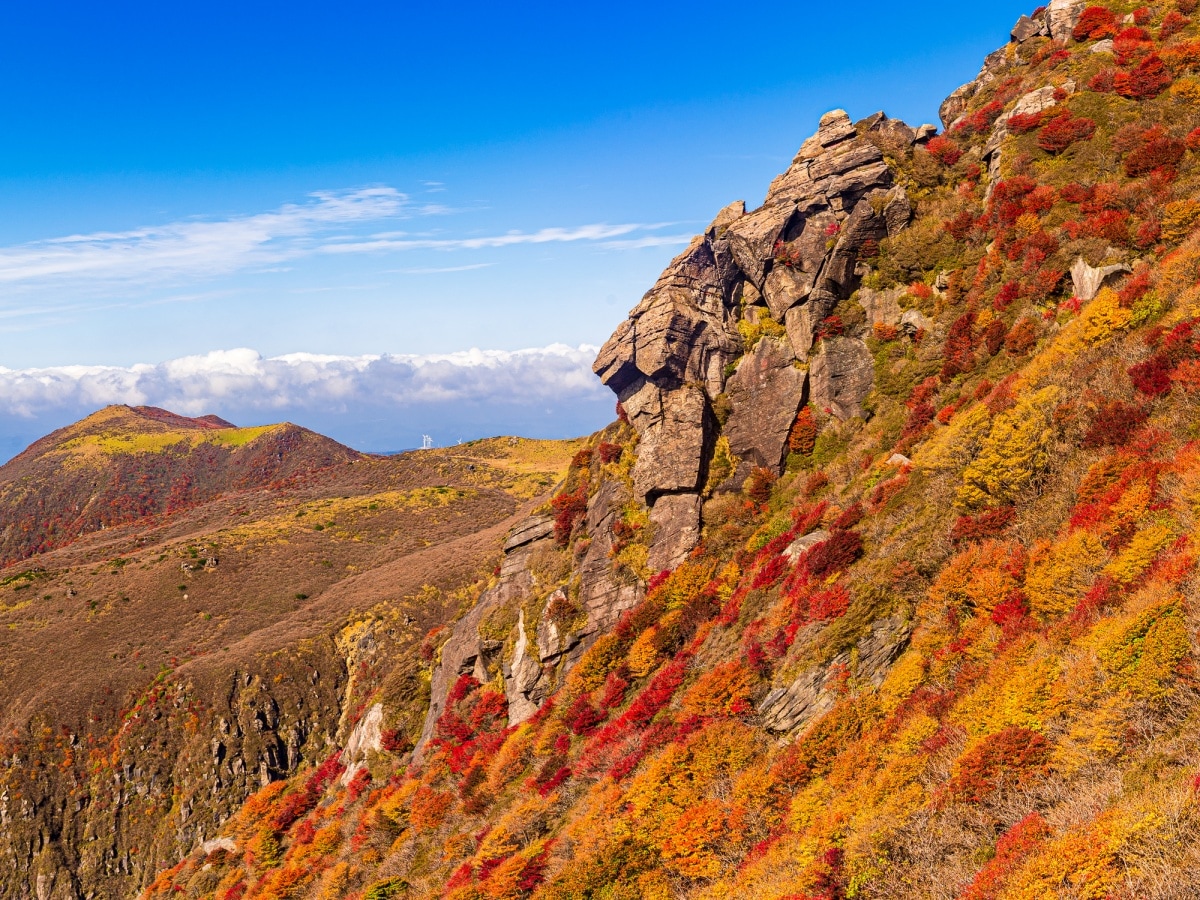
(258,209)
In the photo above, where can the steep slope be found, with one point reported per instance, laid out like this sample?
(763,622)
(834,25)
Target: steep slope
(883,584)
(125,463)
(153,674)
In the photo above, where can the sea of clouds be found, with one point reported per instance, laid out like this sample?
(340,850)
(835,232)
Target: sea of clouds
(380,403)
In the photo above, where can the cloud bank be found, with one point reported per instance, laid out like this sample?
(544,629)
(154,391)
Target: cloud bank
(372,402)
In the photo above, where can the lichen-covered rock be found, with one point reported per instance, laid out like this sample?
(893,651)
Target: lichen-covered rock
(674,438)
(676,522)
(841,376)
(1062,16)
(766,392)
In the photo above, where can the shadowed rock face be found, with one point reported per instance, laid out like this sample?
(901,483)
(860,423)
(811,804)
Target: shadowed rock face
(793,260)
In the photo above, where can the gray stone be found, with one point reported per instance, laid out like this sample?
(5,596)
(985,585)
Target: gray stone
(753,239)
(797,548)
(1027,28)
(1088,280)
(522,680)
(956,104)
(786,287)
(841,376)
(1104,46)
(914,322)
(766,393)
(1062,16)
(532,529)
(672,449)
(676,522)
(881,307)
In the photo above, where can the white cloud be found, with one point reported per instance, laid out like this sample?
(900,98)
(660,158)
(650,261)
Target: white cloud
(193,247)
(512,238)
(244,380)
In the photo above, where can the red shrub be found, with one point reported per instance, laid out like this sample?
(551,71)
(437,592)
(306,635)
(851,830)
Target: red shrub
(848,519)
(982,120)
(1110,224)
(993,336)
(609,453)
(1130,43)
(1158,149)
(1077,193)
(1152,377)
(1017,844)
(1173,23)
(1143,16)
(582,718)
(1022,338)
(1014,754)
(985,525)
(1095,24)
(834,555)
(803,438)
(569,509)
(1063,131)
(1147,80)
(1114,424)
(958,354)
(1193,140)
(1104,81)
(944,150)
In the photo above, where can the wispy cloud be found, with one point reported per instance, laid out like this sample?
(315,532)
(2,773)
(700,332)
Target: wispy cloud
(244,380)
(326,223)
(652,240)
(193,247)
(544,236)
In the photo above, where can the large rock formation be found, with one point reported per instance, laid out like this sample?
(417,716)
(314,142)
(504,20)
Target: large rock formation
(790,262)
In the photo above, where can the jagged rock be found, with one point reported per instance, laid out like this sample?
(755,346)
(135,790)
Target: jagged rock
(790,708)
(913,323)
(787,286)
(367,737)
(833,169)
(881,307)
(674,439)
(726,217)
(924,133)
(797,547)
(552,642)
(898,211)
(1088,280)
(1027,28)
(535,528)
(1062,16)
(754,237)
(956,104)
(603,597)
(229,845)
(521,681)
(841,376)
(676,522)
(1105,46)
(766,392)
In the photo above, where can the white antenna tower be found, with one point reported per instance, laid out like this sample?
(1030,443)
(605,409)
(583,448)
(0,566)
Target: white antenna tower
(426,442)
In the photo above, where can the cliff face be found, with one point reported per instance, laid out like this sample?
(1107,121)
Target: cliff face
(783,269)
(882,585)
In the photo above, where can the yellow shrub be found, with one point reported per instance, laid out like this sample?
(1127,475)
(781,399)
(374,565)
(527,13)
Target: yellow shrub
(1015,451)
(1104,317)
(1060,572)
(1134,559)
(1179,219)
(1143,651)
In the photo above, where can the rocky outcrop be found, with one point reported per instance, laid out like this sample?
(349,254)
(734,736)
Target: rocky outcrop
(815,691)
(842,376)
(766,392)
(793,260)
(1088,280)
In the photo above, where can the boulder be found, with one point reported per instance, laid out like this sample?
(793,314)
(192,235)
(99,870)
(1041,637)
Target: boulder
(956,104)
(841,376)
(1027,28)
(366,738)
(881,307)
(1088,280)
(913,322)
(522,678)
(766,393)
(1105,46)
(797,548)
(754,237)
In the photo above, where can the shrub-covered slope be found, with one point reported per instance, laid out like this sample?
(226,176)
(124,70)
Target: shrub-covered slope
(883,586)
(124,464)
